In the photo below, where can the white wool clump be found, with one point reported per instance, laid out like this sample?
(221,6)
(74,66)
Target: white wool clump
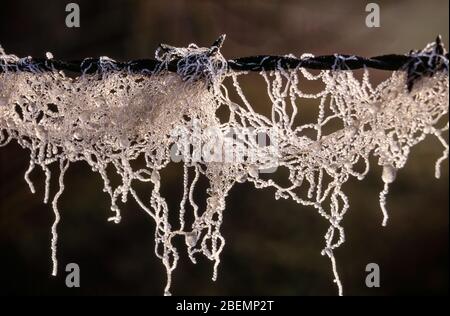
(111,118)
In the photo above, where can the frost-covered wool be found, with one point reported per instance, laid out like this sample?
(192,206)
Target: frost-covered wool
(112,117)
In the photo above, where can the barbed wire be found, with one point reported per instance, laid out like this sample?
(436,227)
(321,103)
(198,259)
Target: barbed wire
(417,64)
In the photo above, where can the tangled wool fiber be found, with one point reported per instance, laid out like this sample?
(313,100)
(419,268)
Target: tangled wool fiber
(112,117)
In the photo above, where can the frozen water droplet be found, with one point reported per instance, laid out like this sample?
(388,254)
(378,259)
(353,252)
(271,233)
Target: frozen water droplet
(124,141)
(233,106)
(375,107)
(253,171)
(241,178)
(155,177)
(77,134)
(316,146)
(350,131)
(84,117)
(395,146)
(389,174)
(213,202)
(41,133)
(3,100)
(191,238)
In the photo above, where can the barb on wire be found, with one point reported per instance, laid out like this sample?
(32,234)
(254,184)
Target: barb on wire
(417,64)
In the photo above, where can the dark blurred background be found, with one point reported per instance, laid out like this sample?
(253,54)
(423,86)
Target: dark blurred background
(273,247)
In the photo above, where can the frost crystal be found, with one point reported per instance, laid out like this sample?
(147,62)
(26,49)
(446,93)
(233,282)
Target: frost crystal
(111,118)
